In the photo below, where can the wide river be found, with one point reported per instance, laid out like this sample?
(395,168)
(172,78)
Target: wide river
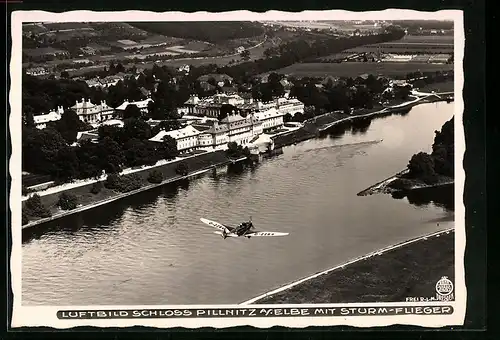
(152,248)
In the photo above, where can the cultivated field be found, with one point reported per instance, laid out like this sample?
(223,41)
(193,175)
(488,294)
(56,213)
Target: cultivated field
(448,86)
(66,25)
(327,25)
(410,44)
(355,69)
(428,39)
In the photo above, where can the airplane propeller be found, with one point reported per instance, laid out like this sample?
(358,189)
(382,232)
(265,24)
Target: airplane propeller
(251,224)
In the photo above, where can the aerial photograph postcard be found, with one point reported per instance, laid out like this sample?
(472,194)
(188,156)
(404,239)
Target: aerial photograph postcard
(237,169)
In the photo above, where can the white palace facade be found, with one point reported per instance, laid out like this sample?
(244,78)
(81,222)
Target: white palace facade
(92,113)
(211,106)
(233,128)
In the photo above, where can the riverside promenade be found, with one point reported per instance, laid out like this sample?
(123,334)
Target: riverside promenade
(118,196)
(102,178)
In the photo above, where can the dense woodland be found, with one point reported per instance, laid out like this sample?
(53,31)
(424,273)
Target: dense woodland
(209,31)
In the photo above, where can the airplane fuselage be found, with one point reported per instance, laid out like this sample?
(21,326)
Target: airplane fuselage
(243,228)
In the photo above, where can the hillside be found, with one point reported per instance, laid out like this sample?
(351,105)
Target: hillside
(213,32)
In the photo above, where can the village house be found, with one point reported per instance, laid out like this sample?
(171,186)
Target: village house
(81,61)
(94,82)
(37,71)
(109,81)
(220,79)
(142,105)
(184,68)
(87,50)
(104,82)
(53,116)
(82,136)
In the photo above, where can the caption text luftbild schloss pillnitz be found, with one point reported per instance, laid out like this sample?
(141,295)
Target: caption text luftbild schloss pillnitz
(253,312)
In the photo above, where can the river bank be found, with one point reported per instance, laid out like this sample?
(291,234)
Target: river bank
(320,124)
(398,183)
(88,200)
(393,274)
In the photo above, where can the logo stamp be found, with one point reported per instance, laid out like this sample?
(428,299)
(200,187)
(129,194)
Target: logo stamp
(444,289)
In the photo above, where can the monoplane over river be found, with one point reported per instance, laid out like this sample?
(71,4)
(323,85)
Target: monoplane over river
(245,229)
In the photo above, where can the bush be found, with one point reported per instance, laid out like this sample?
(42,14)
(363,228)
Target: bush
(155,176)
(112,181)
(67,201)
(234,150)
(182,169)
(123,183)
(34,207)
(130,183)
(96,188)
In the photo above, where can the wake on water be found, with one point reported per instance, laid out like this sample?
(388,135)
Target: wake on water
(345,145)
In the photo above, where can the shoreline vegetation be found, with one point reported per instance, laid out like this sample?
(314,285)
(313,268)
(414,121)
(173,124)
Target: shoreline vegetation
(424,170)
(377,277)
(115,187)
(39,209)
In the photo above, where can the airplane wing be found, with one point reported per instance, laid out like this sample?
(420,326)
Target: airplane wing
(265,233)
(217,225)
(227,235)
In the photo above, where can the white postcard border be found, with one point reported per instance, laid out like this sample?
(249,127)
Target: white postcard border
(46,316)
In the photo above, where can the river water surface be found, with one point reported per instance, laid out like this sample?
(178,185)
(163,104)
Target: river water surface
(152,249)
